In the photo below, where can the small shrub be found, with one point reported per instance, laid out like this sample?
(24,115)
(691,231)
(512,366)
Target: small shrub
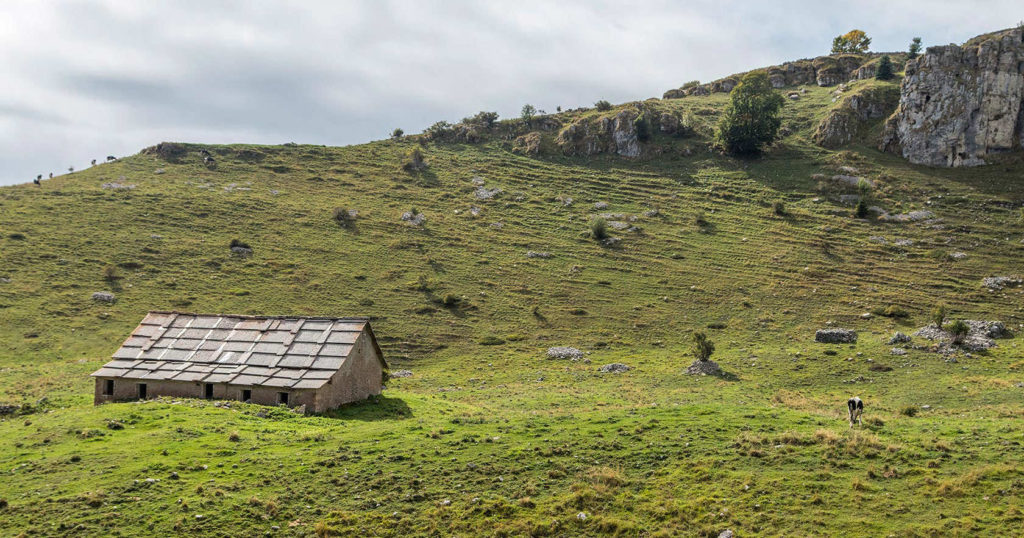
(643,128)
(861,212)
(234,437)
(599,228)
(414,161)
(909,410)
(915,48)
(779,208)
(891,311)
(438,130)
(699,219)
(110,273)
(527,113)
(342,216)
(397,133)
(939,315)
(702,347)
(958,330)
(690,84)
(451,300)
(603,106)
(3,504)
(239,244)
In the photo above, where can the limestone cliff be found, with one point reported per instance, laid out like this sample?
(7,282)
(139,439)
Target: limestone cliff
(959,104)
(822,71)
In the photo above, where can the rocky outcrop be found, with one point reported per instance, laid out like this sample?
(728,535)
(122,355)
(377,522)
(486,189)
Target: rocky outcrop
(854,111)
(959,104)
(610,134)
(822,71)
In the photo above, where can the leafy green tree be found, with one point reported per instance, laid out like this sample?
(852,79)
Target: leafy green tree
(884,71)
(852,42)
(603,106)
(915,49)
(702,347)
(397,133)
(751,119)
(527,113)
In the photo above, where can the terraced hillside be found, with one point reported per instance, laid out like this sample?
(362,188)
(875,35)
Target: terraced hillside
(488,435)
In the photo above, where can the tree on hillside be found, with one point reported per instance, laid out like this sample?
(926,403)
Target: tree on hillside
(702,347)
(915,48)
(852,42)
(751,119)
(884,71)
(527,113)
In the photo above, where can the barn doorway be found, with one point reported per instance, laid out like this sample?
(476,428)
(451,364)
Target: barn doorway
(246,395)
(108,387)
(142,391)
(208,391)
(282,398)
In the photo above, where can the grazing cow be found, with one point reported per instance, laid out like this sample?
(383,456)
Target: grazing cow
(94,162)
(51,175)
(36,181)
(856,410)
(111,158)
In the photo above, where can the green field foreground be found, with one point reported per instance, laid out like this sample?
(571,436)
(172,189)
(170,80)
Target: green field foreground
(489,436)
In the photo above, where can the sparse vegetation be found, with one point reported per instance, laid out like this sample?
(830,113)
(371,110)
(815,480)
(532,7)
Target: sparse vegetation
(397,134)
(938,315)
(779,208)
(861,211)
(527,113)
(602,106)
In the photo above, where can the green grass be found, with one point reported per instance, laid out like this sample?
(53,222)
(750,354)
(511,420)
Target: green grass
(489,436)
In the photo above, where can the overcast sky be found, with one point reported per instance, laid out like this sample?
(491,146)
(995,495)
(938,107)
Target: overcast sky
(84,79)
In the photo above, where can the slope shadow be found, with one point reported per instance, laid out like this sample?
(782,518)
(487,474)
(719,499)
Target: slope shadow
(372,409)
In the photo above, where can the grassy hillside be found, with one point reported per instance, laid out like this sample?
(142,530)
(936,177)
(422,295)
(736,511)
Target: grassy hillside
(488,435)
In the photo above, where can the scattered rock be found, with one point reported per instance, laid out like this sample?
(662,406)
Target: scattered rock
(897,351)
(957,255)
(563,352)
(117,186)
(1000,282)
(727,533)
(241,251)
(899,338)
(402,373)
(912,216)
(104,297)
(159,171)
(981,335)
(533,254)
(903,242)
(413,219)
(835,336)
(708,367)
(614,368)
(601,205)
(483,193)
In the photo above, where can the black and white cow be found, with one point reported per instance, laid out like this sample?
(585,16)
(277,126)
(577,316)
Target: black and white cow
(856,410)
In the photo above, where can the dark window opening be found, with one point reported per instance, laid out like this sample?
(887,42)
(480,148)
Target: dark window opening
(108,387)
(246,395)
(208,391)
(282,398)
(142,391)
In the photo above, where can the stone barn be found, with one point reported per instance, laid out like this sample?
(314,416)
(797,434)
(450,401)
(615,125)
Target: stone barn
(312,363)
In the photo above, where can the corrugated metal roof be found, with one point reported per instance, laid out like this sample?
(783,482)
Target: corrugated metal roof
(276,351)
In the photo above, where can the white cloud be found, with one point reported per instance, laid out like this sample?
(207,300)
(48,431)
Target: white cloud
(86,79)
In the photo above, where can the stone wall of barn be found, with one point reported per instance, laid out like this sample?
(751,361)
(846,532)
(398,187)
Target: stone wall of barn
(359,377)
(128,389)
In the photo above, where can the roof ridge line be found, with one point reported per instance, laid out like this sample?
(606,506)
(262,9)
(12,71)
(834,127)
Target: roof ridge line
(251,316)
